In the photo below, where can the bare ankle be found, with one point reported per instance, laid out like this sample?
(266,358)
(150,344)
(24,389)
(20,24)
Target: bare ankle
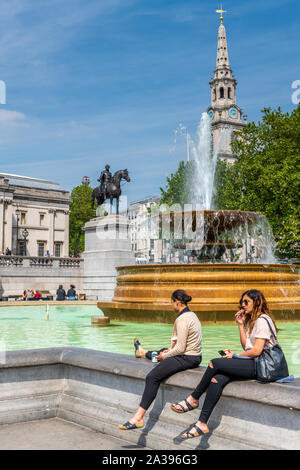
(202,425)
(192,399)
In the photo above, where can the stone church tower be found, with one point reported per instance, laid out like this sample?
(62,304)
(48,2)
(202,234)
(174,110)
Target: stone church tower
(223,111)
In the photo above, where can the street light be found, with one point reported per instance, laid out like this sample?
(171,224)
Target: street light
(18,212)
(25,234)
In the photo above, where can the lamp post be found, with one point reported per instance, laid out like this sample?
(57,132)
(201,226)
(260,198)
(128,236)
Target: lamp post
(17,214)
(25,234)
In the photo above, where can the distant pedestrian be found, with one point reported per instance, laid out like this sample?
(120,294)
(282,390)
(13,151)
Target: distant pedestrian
(37,295)
(71,294)
(60,293)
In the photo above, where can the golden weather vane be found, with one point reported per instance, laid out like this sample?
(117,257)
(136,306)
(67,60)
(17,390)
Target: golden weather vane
(221,11)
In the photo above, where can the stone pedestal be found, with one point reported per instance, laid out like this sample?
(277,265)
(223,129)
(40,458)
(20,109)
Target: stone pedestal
(107,246)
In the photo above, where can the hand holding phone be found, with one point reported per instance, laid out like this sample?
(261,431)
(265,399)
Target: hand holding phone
(224,353)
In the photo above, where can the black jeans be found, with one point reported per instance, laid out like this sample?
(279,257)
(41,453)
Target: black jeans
(163,370)
(224,371)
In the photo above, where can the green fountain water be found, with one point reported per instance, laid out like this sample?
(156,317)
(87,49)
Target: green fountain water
(28,328)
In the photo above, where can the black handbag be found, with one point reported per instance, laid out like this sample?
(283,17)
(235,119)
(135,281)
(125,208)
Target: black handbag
(271,365)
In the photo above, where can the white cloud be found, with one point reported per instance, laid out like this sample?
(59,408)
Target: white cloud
(9,117)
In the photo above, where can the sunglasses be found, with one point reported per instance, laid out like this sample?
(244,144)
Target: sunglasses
(244,302)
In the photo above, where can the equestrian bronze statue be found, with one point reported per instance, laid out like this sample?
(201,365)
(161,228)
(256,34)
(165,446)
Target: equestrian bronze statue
(110,187)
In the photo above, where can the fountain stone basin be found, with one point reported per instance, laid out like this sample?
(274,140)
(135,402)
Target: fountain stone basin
(143,292)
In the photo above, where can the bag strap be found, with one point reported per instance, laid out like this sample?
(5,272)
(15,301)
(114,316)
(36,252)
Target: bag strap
(269,327)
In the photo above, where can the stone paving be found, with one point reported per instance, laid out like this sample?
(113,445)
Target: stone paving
(57,434)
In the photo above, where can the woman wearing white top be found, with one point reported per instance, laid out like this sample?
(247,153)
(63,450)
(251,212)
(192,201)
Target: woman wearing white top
(255,335)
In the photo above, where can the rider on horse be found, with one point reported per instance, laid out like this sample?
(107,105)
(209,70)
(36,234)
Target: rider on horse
(105,178)
(109,187)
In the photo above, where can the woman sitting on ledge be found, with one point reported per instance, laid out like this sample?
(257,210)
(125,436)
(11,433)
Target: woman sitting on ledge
(255,335)
(185,353)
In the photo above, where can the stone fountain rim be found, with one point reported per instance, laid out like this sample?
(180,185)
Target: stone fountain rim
(206,265)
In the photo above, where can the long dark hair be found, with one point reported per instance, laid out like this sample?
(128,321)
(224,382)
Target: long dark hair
(182,296)
(260,307)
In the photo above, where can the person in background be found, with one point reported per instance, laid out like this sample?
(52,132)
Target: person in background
(71,294)
(47,256)
(60,293)
(23,296)
(30,294)
(37,295)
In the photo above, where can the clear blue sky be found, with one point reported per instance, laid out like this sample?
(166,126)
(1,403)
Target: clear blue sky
(91,82)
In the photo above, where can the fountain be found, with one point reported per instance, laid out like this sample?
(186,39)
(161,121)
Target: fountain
(219,241)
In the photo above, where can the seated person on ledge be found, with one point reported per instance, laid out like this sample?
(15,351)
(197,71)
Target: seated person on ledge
(71,294)
(37,295)
(185,353)
(255,335)
(60,293)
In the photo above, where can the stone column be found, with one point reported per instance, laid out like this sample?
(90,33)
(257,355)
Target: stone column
(107,246)
(8,233)
(65,252)
(52,213)
(2,224)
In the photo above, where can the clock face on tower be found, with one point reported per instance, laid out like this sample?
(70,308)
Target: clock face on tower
(233,113)
(211,113)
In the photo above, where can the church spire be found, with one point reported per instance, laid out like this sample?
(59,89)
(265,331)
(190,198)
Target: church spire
(222,51)
(223,110)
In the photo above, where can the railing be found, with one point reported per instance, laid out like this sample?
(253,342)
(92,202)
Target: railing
(39,261)
(11,260)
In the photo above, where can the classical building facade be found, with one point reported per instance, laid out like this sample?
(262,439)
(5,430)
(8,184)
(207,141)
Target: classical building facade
(143,246)
(223,111)
(34,216)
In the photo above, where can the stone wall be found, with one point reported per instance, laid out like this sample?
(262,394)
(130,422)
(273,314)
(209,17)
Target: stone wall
(101,390)
(39,273)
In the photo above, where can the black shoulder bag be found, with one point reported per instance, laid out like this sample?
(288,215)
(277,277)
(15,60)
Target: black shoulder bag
(271,365)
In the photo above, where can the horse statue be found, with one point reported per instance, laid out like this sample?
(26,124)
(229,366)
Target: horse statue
(113,190)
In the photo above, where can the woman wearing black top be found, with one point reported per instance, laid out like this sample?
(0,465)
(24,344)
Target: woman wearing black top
(60,293)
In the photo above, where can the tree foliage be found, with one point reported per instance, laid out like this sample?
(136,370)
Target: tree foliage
(80,213)
(266,176)
(178,188)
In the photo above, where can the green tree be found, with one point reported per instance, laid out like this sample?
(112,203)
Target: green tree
(178,188)
(80,213)
(266,176)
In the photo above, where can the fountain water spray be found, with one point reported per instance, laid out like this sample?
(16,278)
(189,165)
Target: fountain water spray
(198,231)
(205,162)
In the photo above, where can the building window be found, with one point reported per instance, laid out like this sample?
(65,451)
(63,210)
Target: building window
(214,94)
(229,93)
(41,248)
(21,249)
(221,92)
(23,218)
(42,219)
(57,250)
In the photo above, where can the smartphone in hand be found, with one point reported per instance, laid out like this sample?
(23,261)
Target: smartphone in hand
(223,353)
